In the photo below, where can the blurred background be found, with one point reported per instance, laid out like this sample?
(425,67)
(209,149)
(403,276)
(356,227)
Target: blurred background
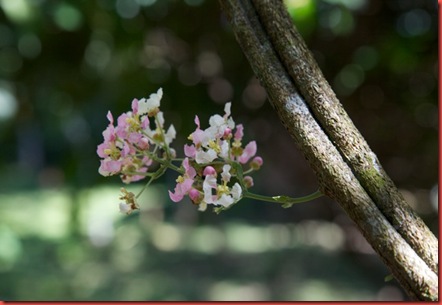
(64,64)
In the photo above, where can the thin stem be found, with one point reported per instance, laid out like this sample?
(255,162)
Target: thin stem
(145,174)
(168,163)
(174,167)
(145,186)
(283,199)
(164,145)
(155,175)
(248,171)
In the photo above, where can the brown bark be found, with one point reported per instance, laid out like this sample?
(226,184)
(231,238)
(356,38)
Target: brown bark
(348,171)
(326,108)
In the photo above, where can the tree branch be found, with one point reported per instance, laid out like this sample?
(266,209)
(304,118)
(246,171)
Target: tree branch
(337,179)
(307,76)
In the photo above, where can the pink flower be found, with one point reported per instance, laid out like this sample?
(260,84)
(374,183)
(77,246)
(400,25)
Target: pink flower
(109,167)
(123,125)
(134,137)
(189,151)
(108,146)
(227,133)
(248,152)
(239,132)
(135,106)
(198,135)
(145,122)
(194,195)
(185,182)
(140,137)
(209,171)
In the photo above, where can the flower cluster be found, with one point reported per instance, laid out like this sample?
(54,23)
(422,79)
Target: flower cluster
(215,170)
(130,147)
(213,167)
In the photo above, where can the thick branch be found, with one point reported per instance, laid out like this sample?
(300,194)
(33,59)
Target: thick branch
(337,179)
(303,69)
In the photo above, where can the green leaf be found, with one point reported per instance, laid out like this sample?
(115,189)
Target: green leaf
(388,278)
(287,205)
(286,201)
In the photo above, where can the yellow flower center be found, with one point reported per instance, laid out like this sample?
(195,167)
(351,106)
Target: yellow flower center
(222,189)
(214,146)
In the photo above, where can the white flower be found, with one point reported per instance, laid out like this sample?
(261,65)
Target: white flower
(216,121)
(209,134)
(227,107)
(228,120)
(160,119)
(170,135)
(149,105)
(230,123)
(236,192)
(142,106)
(225,200)
(208,185)
(219,124)
(202,157)
(202,206)
(224,150)
(226,173)
(125,208)
(234,196)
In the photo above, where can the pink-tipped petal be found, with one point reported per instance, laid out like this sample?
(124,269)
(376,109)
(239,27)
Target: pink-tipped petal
(110,117)
(197,121)
(175,197)
(249,152)
(239,132)
(135,106)
(189,151)
(109,167)
(190,171)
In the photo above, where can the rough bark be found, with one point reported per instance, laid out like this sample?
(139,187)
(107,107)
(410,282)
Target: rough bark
(346,168)
(302,67)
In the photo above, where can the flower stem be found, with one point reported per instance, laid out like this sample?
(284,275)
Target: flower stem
(284,200)
(155,175)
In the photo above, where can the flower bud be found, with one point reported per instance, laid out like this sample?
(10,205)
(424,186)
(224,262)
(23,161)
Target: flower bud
(248,181)
(227,133)
(172,152)
(195,196)
(209,171)
(256,163)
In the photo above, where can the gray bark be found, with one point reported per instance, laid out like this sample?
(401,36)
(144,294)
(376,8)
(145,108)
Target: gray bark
(348,171)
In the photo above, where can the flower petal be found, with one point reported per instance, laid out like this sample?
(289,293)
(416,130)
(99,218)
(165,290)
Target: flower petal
(202,157)
(248,152)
